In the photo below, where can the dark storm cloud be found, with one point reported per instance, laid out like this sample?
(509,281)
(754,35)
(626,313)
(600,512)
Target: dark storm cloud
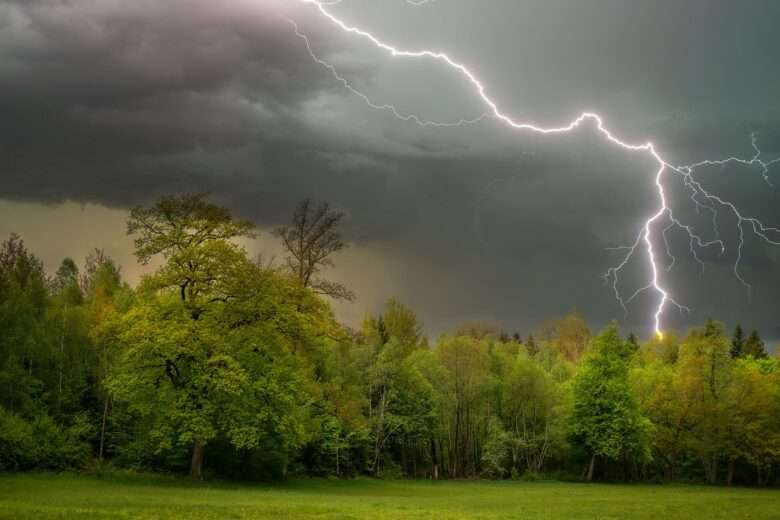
(117,102)
(90,91)
(96,53)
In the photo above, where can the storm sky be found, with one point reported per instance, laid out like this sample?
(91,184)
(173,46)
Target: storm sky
(108,104)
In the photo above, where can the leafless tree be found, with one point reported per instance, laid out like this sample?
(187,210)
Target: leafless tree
(310,241)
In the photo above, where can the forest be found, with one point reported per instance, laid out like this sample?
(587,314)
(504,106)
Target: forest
(221,365)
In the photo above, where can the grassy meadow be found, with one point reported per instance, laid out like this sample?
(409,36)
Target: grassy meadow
(68,495)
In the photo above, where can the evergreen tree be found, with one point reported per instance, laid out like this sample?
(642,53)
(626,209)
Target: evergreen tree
(712,328)
(754,346)
(738,342)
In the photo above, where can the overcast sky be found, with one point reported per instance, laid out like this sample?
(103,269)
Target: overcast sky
(108,104)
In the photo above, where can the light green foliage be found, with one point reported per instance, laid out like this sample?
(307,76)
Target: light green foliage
(195,238)
(709,407)
(550,359)
(464,407)
(606,420)
(401,402)
(665,349)
(401,323)
(397,322)
(704,373)
(655,386)
(534,412)
(177,226)
(753,426)
(206,350)
(568,335)
(342,434)
(496,461)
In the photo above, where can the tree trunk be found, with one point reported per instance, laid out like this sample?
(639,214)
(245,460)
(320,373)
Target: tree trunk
(198,454)
(730,476)
(417,451)
(434,461)
(380,433)
(103,428)
(62,360)
(711,469)
(591,466)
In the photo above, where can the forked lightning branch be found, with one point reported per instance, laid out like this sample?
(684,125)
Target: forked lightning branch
(659,223)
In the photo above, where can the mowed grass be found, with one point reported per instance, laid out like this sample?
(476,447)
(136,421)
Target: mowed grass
(79,496)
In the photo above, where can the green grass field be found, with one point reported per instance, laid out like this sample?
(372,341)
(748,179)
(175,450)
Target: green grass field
(74,496)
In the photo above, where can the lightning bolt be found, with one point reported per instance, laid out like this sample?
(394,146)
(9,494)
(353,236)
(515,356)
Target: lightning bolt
(701,198)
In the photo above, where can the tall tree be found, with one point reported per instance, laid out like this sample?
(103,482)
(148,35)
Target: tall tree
(23,303)
(401,322)
(606,419)
(66,279)
(569,335)
(98,264)
(738,342)
(754,346)
(69,321)
(400,403)
(311,240)
(197,241)
(533,414)
(106,295)
(202,349)
(463,406)
(703,375)
(753,417)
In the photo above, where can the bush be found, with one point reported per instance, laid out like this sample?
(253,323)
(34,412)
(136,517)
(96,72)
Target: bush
(16,444)
(41,443)
(496,462)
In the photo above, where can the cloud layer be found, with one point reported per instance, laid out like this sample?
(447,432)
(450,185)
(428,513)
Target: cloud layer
(117,102)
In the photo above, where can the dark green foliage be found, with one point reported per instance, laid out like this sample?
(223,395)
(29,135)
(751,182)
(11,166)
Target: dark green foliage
(42,443)
(738,342)
(754,346)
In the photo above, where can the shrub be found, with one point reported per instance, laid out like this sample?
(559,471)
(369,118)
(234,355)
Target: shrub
(41,443)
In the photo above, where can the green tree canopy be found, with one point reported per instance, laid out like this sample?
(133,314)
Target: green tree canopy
(606,419)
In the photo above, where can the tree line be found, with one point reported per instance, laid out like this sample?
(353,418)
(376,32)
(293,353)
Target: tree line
(221,364)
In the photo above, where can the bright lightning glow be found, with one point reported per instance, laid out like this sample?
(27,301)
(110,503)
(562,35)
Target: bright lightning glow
(701,198)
